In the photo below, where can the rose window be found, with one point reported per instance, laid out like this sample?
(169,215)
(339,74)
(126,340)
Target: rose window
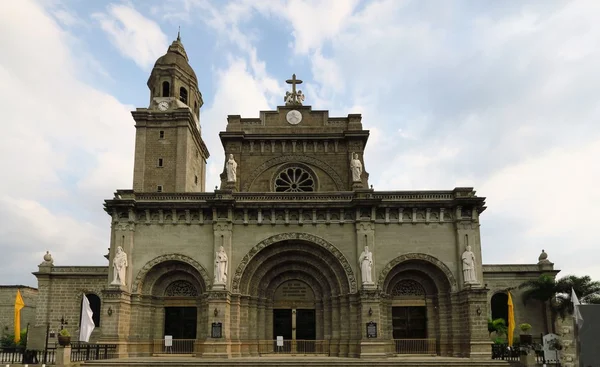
(294,179)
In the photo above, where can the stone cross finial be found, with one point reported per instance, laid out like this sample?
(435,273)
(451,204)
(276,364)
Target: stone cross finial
(294,97)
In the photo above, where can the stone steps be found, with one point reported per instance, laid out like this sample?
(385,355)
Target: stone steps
(298,362)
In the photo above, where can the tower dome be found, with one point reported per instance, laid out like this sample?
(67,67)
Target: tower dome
(172,77)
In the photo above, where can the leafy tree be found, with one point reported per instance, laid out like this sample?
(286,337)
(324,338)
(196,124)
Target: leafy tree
(583,286)
(556,294)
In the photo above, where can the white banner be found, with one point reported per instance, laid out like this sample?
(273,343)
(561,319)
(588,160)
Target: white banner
(87,322)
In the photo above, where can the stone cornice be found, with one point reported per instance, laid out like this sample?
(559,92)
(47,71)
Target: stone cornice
(517,268)
(75,271)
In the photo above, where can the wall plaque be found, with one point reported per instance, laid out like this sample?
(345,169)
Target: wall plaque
(217,330)
(371,329)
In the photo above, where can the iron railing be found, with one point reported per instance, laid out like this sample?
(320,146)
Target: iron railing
(293,347)
(26,356)
(415,346)
(178,346)
(91,352)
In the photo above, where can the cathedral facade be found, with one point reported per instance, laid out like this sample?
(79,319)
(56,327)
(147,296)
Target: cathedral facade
(295,251)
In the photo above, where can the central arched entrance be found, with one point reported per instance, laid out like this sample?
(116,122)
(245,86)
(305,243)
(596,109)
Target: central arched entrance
(297,290)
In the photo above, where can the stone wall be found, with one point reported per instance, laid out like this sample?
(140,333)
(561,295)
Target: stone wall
(60,290)
(500,278)
(8,294)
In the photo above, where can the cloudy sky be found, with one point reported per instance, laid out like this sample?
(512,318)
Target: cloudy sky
(499,95)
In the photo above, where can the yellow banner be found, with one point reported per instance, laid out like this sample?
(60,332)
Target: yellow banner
(511,320)
(19,304)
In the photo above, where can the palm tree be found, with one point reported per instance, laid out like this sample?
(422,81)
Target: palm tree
(542,289)
(583,287)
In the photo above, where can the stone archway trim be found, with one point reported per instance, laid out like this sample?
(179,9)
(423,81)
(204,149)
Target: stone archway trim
(235,284)
(170,257)
(291,159)
(423,257)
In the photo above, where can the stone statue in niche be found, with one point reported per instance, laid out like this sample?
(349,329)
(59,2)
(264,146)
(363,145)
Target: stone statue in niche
(469,264)
(231,168)
(356,168)
(366,266)
(119,267)
(221,266)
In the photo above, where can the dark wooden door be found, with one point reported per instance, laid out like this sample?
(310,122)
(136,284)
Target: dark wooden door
(409,322)
(305,325)
(180,322)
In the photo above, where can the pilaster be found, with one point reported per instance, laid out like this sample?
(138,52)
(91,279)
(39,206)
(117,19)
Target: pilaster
(370,311)
(473,302)
(219,311)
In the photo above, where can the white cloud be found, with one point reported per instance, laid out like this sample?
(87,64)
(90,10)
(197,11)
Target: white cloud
(135,36)
(60,135)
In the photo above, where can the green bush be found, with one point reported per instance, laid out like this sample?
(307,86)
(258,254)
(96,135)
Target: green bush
(525,327)
(8,340)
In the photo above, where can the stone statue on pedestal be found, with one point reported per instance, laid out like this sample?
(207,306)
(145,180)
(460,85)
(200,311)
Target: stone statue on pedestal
(231,168)
(119,267)
(221,266)
(469,265)
(366,265)
(356,168)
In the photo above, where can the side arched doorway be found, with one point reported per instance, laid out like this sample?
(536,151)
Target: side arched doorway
(417,304)
(499,306)
(170,304)
(300,291)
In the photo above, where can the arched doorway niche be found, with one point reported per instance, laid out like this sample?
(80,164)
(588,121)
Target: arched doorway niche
(171,301)
(418,306)
(301,277)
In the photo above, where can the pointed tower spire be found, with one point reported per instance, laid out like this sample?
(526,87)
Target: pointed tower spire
(179,34)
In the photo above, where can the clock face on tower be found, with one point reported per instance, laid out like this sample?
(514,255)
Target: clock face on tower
(163,106)
(294,117)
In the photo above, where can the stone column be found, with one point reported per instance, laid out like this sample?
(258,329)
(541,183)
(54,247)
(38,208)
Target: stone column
(334,347)
(219,311)
(354,321)
(245,351)
(234,310)
(365,236)
(222,236)
(370,311)
(444,325)
(344,326)
(123,232)
(319,319)
(253,326)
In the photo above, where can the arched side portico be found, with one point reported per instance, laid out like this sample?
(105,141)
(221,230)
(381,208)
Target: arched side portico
(170,299)
(272,282)
(417,304)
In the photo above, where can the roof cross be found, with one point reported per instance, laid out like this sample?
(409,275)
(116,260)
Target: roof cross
(295,97)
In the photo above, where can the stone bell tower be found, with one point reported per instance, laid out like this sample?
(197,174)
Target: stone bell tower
(170,155)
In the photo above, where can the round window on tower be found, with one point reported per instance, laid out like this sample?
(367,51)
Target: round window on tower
(294,178)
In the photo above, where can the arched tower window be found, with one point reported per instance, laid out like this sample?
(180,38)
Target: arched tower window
(499,305)
(95,304)
(183,95)
(166,89)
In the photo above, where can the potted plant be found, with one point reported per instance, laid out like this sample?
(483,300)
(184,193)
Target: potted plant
(525,337)
(64,338)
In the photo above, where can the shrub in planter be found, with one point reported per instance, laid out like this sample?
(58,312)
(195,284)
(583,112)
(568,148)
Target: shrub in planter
(64,338)
(525,337)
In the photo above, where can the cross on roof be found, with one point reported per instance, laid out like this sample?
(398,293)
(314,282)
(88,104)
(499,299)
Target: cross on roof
(295,97)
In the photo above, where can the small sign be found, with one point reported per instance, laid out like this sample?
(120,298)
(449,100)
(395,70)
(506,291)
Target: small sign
(168,340)
(371,329)
(217,330)
(279,341)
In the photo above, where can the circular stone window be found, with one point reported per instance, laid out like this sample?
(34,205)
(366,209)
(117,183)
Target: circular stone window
(294,179)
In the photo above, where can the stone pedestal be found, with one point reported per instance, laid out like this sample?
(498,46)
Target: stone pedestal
(117,321)
(357,185)
(218,312)
(63,356)
(371,345)
(230,186)
(528,359)
(473,306)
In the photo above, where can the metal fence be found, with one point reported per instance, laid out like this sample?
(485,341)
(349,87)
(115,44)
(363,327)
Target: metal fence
(415,346)
(293,347)
(26,356)
(513,354)
(91,352)
(174,346)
